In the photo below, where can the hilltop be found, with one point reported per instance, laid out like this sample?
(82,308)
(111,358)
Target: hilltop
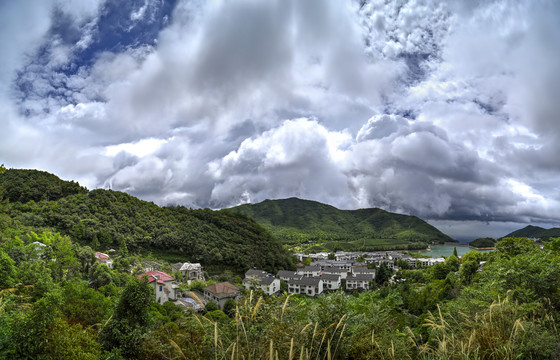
(295,221)
(535,232)
(103,219)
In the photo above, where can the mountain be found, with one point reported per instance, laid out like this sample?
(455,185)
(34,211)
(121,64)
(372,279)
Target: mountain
(103,219)
(535,232)
(295,222)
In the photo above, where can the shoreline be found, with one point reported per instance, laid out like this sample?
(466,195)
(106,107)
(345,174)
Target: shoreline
(483,248)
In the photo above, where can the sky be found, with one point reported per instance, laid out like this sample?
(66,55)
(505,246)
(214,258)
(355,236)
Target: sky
(447,110)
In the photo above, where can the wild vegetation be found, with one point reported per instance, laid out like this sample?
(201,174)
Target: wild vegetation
(312,226)
(57,303)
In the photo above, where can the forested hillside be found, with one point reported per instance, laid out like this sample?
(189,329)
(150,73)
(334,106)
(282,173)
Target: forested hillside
(535,232)
(295,220)
(104,219)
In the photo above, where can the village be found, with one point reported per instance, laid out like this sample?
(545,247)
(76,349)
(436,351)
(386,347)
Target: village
(315,274)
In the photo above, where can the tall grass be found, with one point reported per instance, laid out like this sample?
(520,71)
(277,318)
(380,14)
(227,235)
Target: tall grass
(263,330)
(501,332)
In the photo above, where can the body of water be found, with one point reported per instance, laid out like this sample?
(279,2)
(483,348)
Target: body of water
(446,250)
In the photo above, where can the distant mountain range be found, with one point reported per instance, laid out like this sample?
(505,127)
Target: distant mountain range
(296,221)
(536,232)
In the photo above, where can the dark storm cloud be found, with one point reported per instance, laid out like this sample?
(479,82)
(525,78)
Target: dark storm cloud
(446,110)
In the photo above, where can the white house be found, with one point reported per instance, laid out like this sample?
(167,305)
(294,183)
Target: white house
(190,271)
(363,270)
(330,282)
(309,271)
(270,285)
(389,263)
(308,286)
(359,282)
(335,270)
(288,275)
(165,287)
(259,279)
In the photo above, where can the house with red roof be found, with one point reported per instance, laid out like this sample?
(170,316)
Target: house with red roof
(104,259)
(165,286)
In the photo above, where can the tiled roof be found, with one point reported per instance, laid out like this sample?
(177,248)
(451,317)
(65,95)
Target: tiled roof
(360,277)
(361,270)
(267,280)
(223,288)
(286,273)
(255,272)
(312,268)
(160,276)
(306,281)
(101,255)
(191,266)
(329,277)
(335,270)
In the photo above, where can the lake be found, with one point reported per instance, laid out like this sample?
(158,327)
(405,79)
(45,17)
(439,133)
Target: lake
(446,250)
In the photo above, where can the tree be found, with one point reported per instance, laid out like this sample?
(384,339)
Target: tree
(69,342)
(229,308)
(468,270)
(64,256)
(455,251)
(2,169)
(84,304)
(383,274)
(402,264)
(7,271)
(101,276)
(510,247)
(439,271)
(129,325)
(452,263)
(211,306)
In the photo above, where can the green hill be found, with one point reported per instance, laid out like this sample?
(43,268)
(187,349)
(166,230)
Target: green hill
(319,226)
(535,232)
(483,243)
(104,219)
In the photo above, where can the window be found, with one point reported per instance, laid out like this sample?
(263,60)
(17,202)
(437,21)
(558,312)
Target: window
(161,288)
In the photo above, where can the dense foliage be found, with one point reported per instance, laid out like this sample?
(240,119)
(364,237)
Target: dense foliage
(483,243)
(509,310)
(26,185)
(104,219)
(295,222)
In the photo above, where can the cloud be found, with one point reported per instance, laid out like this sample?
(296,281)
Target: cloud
(299,158)
(446,110)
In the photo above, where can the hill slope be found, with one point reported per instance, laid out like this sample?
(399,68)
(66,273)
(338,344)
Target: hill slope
(536,232)
(106,219)
(295,221)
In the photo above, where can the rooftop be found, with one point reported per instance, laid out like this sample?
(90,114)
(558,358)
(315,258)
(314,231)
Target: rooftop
(158,276)
(224,288)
